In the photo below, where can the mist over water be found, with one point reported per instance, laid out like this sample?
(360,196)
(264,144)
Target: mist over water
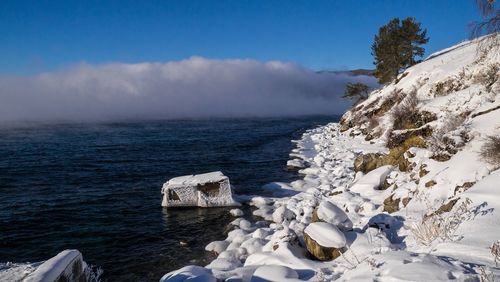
(193,88)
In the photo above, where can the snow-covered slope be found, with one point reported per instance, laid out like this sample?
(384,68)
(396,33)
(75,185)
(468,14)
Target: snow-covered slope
(405,167)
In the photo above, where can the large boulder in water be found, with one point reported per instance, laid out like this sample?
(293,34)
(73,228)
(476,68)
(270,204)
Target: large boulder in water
(324,241)
(202,190)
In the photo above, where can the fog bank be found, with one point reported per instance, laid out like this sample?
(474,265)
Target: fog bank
(192,88)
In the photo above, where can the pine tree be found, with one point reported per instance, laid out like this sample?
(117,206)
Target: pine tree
(396,47)
(358,91)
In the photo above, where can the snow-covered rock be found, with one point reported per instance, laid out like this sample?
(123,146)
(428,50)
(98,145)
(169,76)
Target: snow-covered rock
(324,241)
(202,190)
(236,212)
(330,213)
(68,265)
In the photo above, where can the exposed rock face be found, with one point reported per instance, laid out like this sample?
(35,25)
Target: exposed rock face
(399,137)
(430,183)
(391,205)
(368,162)
(324,241)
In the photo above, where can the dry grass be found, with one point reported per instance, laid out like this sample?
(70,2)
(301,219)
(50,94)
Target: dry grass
(441,226)
(490,152)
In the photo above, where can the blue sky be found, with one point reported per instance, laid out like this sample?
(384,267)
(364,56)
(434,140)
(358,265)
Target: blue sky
(38,36)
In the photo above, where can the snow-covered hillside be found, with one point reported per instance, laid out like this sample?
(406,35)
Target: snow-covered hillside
(398,191)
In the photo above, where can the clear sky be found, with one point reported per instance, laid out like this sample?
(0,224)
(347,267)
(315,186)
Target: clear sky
(39,35)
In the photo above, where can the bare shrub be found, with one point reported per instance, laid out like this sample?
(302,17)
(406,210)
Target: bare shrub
(93,273)
(485,275)
(373,130)
(490,151)
(489,44)
(441,225)
(446,139)
(495,251)
(488,76)
(405,115)
(451,84)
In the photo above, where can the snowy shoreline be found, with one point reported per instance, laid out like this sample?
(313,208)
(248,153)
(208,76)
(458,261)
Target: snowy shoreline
(378,201)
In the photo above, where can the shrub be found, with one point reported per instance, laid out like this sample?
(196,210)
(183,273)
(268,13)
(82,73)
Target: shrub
(490,151)
(441,225)
(405,115)
(488,76)
(451,84)
(446,139)
(495,251)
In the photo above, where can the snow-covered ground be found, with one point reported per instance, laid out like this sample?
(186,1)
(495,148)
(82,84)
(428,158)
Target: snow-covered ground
(397,191)
(428,211)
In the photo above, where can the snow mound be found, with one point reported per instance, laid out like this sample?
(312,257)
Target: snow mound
(190,273)
(274,273)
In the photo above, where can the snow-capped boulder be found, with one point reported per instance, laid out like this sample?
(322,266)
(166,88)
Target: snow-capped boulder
(191,273)
(281,214)
(236,212)
(330,213)
(224,264)
(217,246)
(324,241)
(372,180)
(68,265)
(202,190)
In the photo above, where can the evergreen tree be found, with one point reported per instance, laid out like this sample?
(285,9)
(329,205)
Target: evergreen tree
(358,91)
(396,47)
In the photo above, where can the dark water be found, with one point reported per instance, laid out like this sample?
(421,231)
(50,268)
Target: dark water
(96,188)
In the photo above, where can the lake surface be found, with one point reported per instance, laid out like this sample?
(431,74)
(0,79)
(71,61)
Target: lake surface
(96,188)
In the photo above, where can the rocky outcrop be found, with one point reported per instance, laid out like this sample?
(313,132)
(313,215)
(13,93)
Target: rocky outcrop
(368,162)
(391,204)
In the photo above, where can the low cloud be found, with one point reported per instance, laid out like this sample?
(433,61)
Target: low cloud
(192,88)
